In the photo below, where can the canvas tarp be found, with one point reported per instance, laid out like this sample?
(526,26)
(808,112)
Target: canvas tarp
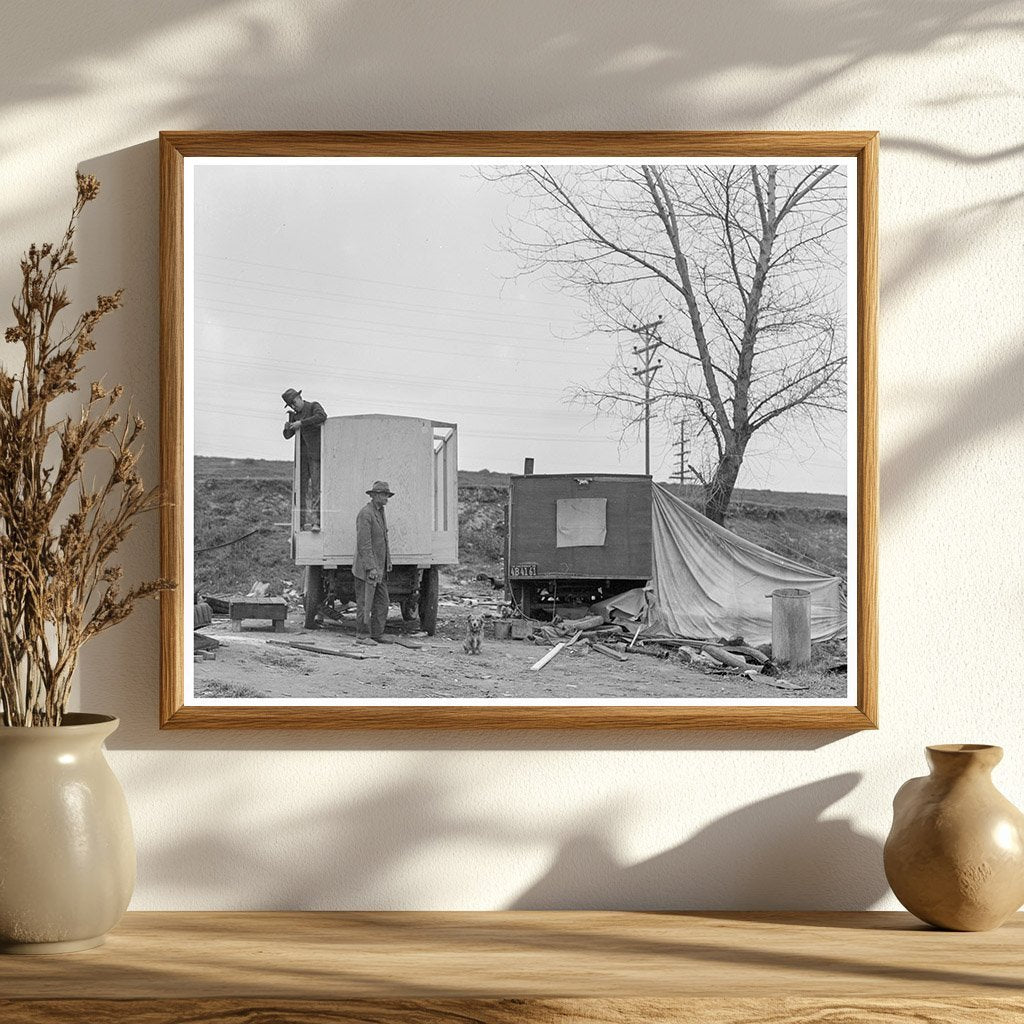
(709,582)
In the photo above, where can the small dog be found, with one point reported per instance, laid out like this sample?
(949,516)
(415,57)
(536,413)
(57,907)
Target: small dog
(474,634)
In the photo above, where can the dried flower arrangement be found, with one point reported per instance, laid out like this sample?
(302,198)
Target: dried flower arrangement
(58,588)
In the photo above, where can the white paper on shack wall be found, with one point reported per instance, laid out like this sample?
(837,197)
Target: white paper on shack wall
(581,522)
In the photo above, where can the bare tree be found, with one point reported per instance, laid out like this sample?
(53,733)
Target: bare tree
(744,260)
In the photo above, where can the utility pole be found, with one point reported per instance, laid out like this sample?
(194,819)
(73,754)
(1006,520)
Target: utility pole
(681,474)
(646,372)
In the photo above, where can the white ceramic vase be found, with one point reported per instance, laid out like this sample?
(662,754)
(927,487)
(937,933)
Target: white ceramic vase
(67,854)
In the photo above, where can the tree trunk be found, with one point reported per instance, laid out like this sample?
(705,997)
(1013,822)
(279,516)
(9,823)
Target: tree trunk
(718,493)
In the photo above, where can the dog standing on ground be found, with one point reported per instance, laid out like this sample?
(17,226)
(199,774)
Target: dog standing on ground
(474,634)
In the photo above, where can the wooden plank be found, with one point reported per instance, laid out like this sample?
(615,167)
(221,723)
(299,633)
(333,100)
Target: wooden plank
(608,652)
(718,1010)
(549,657)
(311,649)
(258,608)
(603,966)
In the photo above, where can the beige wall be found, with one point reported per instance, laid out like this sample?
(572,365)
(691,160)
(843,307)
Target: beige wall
(632,820)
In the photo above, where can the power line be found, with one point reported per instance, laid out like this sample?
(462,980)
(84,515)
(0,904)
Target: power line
(370,280)
(384,377)
(420,331)
(265,286)
(503,435)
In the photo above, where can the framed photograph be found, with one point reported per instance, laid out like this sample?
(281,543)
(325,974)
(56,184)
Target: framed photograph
(519,430)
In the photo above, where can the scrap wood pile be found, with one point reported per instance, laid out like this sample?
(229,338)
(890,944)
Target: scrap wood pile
(622,642)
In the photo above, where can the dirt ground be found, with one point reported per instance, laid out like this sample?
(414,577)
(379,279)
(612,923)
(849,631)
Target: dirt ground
(246,665)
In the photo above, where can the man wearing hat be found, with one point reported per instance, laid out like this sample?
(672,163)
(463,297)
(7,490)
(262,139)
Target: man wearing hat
(305,417)
(372,563)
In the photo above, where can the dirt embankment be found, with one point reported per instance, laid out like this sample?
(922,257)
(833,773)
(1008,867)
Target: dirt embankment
(251,500)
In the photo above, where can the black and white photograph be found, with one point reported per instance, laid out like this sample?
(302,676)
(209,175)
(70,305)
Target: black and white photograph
(559,431)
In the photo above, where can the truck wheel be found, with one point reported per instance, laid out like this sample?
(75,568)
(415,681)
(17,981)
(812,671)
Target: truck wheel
(428,600)
(312,594)
(408,606)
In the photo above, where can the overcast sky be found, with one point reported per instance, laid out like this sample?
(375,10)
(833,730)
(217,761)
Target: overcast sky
(384,288)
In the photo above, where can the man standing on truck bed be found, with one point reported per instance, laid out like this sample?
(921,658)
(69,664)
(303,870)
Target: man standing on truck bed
(372,563)
(305,417)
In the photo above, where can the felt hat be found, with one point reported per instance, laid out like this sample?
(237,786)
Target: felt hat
(290,394)
(381,487)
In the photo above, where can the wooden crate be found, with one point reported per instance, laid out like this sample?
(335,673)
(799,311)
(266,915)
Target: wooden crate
(273,608)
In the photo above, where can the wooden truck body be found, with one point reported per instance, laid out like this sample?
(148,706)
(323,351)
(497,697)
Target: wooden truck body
(573,539)
(419,460)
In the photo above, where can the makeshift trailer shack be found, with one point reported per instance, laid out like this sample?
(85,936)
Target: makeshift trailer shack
(419,459)
(574,540)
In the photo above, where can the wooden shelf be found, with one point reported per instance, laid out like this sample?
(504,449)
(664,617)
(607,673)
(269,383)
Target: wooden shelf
(546,967)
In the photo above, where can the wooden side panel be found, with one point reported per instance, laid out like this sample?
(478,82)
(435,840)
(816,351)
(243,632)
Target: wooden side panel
(445,537)
(357,450)
(626,553)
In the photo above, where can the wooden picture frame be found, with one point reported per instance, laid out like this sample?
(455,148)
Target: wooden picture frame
(859,711)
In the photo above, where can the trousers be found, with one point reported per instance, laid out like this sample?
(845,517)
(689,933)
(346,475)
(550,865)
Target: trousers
(309,485)
(378,611)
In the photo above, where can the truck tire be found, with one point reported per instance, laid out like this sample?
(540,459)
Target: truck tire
(428,600)
(312,594)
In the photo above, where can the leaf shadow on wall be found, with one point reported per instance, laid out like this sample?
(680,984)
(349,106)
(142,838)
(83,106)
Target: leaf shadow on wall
(987,404)
(778,853)
(404,843)
(365,65)
(964,411)
(300,59)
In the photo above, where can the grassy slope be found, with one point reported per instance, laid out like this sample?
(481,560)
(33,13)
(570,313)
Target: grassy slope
(265,469)
(235,496)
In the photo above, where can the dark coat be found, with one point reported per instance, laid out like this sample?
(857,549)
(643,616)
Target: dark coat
(372,550)
(312,416)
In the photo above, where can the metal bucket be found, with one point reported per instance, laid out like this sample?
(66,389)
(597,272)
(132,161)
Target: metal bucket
(791,627)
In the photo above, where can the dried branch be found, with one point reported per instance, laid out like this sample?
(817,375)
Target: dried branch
(58,586)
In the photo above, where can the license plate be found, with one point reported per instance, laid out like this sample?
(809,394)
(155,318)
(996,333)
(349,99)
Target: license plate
(523,569)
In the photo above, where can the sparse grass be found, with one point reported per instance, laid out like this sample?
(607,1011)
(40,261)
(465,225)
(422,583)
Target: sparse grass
(226,509)
(816,538)
(815,675)
(215,689)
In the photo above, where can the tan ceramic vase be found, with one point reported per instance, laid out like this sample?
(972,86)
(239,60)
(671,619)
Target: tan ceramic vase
(67,856)
(955,855)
